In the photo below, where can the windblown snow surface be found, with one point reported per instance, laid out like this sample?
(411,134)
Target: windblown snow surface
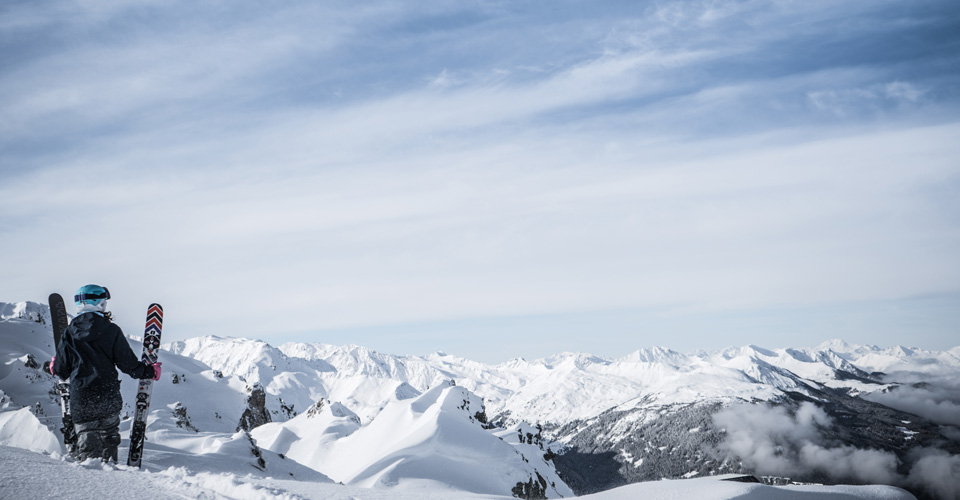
(238,418)
(32,475)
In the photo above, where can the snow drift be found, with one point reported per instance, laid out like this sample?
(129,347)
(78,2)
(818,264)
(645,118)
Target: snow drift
(275,419)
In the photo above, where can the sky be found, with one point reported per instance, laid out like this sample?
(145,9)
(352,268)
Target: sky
(490,179)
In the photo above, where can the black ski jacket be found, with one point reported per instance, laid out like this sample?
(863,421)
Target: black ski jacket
(90,351)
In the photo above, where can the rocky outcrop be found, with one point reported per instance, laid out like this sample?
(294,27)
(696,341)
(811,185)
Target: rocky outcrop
(182,419)
(256,413)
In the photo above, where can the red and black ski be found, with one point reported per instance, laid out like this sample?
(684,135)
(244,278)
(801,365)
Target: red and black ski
(151,347)
(59,320)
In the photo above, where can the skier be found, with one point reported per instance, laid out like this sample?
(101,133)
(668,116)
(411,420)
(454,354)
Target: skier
(90,351)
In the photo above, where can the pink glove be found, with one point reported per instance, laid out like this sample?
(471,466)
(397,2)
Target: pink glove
(156,370)
(52,360)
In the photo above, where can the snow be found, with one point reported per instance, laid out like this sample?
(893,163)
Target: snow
(391,426)
(907,432)
(555,389)
(896,359)
(431,439)
(21,429)
(32,475)
(713,489)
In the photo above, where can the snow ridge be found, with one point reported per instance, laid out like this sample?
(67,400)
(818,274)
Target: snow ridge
(418,423)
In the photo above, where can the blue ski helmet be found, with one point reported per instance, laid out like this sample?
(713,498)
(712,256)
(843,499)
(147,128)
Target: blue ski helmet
(91,294)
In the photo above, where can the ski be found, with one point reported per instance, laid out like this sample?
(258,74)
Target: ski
(151,347)
(59,320)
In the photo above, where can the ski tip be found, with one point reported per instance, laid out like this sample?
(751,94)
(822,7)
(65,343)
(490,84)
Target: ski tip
(54,297)
(155,305)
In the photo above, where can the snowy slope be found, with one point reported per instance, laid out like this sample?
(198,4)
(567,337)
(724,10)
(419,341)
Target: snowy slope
(27,342)
(310,437)
(26,345)
(362,379)
(554,390)
(432,440)
(32,475)
(292,383)
(582,398)
(564,387)
(193,421)
(712,489)
(398,422)
(897,359)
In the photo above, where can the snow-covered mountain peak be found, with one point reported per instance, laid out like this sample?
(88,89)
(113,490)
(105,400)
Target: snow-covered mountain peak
(761,351)
(444,441)
(748,351)
(435,438)
(571,361)
(28,310)
(805,355)
(837,345)
(253,360)
(350,360)
(897,359)
(656,355)
(903,351)
(334,409)
(513,364)
(374,419)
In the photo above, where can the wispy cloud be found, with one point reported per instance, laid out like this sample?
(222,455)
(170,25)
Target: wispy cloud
(876,98)
(389,164)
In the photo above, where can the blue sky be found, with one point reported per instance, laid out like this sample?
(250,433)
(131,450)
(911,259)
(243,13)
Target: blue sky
(490,179)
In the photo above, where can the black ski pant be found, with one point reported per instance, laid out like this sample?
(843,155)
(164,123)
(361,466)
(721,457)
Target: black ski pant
(99,439)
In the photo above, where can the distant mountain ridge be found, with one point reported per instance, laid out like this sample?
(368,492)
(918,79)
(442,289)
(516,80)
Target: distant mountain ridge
(555,389)
(571,420)
(616,417)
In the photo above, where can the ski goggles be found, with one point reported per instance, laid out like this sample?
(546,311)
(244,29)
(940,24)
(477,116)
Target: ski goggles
(105,294)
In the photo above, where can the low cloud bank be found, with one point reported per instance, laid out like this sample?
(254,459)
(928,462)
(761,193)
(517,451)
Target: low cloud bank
(772,440)
(936,401)
(936,471)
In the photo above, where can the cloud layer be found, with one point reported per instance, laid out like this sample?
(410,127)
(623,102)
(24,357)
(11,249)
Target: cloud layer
(935,398)
(771,440)
(393,165)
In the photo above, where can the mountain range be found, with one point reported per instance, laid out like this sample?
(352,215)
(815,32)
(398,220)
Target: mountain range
(569,424)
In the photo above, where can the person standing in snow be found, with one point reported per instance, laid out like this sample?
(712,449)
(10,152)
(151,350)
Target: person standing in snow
(90,351)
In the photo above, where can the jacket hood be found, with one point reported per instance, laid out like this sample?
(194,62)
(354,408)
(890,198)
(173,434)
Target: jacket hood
(85,326)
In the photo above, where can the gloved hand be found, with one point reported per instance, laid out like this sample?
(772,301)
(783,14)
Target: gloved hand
(52,360)
(156,370)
